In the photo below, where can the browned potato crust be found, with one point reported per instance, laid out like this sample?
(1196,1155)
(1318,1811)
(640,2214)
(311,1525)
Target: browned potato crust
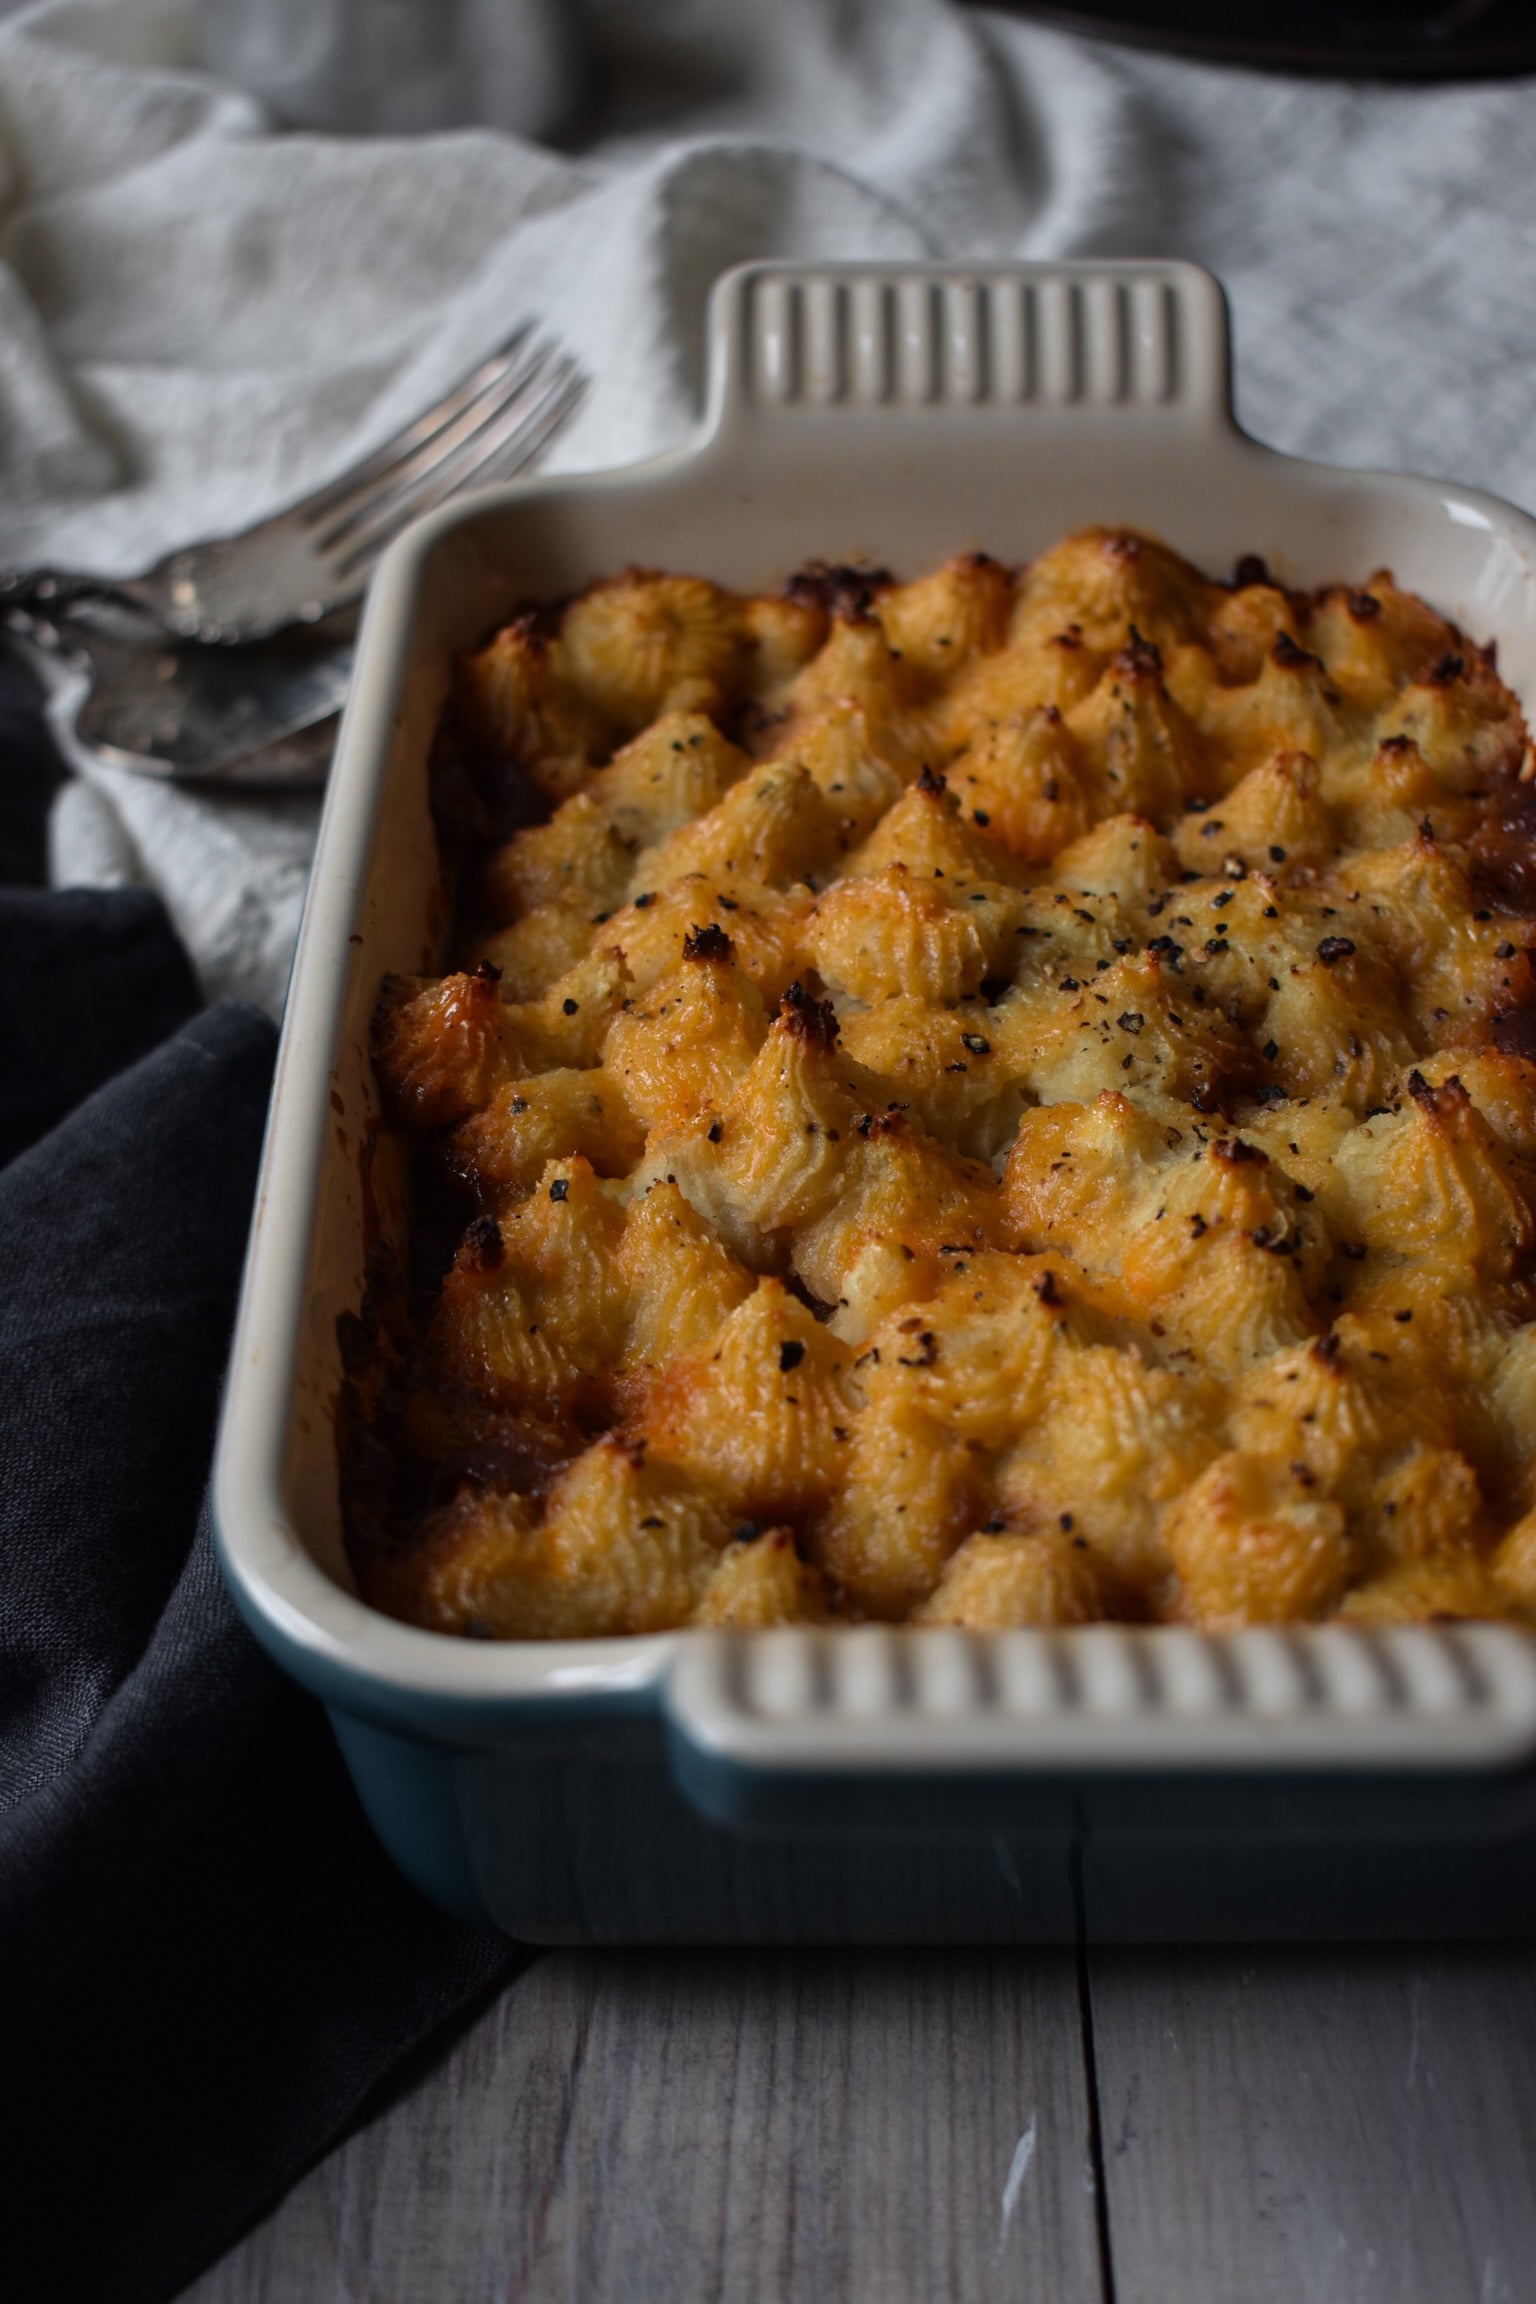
(1004,1099)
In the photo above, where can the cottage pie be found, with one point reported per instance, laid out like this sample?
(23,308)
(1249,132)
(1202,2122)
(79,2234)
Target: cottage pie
(1002,1099)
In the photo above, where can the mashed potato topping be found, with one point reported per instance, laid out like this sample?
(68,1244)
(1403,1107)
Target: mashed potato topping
(1002,1099)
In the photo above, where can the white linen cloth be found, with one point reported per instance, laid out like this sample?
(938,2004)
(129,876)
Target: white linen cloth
(201,316)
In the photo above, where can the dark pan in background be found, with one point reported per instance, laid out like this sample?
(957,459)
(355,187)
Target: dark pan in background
(1401,39)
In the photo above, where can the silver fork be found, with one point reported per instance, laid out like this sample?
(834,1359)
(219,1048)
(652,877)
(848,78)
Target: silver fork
(301,564)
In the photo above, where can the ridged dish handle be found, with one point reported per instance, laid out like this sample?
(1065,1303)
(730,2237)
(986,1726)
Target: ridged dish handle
(791,343)
(871,1703)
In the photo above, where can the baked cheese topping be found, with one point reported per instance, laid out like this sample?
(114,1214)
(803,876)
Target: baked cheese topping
(1002,1099)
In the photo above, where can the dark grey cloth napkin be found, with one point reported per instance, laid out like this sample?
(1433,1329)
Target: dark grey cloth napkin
(208,1970)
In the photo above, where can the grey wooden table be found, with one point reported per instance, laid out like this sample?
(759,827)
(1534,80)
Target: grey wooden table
(1321,2126)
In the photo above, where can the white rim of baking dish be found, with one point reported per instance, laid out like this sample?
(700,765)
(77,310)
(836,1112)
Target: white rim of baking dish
(1032,345)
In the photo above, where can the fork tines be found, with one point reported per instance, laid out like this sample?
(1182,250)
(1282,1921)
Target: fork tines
(489,427)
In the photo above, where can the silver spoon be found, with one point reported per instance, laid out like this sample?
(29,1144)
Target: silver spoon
(262,715)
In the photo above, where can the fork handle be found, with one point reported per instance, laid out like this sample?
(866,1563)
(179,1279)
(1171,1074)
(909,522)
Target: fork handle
(57,590)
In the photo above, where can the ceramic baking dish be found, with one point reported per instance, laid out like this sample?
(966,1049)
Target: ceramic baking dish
(865,1785)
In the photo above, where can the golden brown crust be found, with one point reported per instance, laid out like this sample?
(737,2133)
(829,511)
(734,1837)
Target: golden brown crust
(1009,1098)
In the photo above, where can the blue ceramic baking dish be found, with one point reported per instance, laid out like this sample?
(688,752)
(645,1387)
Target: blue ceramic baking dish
(862,1786)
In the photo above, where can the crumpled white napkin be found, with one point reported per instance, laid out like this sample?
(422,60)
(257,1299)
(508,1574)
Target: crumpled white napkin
(200,317)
